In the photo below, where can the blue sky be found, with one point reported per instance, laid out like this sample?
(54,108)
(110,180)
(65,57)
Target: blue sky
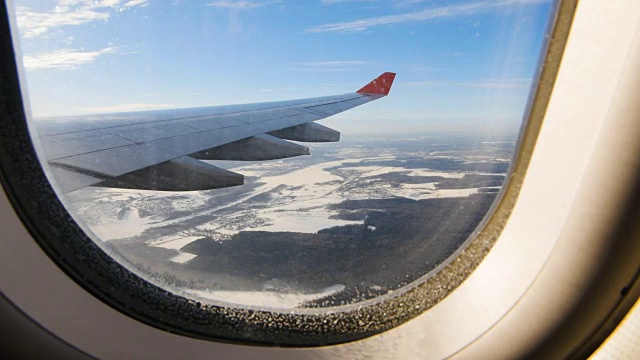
(458,61)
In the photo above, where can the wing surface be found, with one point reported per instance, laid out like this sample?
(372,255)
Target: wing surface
(157,149)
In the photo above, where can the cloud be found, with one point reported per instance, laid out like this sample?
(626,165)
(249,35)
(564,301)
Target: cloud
(128,107)
(422,15)
(134,3)
(241,4)
(63,58)
(69,13)
(523,83)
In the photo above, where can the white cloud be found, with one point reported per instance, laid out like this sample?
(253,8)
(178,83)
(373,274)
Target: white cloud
(241,4)
(68,13)
(423,15)
(63,58)
(134,3)
(127,107)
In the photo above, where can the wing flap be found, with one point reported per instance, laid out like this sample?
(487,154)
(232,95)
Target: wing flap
(68,180)
(256,148)
(309,132)
(181,174)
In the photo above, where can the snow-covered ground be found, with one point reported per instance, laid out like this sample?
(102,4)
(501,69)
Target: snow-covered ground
(173,242)
(300,200)
(128,224)
(294,195)
(297,200)
(182,258)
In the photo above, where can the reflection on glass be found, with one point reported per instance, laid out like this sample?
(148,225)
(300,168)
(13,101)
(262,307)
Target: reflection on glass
(412,177)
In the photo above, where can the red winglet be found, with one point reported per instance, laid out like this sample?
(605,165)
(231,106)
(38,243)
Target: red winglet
(380,86)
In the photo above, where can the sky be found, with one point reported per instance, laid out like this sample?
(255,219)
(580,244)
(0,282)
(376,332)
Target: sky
(458,62)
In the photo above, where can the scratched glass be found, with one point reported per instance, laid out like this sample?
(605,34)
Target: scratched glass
(276,154)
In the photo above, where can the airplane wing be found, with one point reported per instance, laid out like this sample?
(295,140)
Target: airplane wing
(162,150)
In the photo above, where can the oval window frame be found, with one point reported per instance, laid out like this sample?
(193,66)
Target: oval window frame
(80,258)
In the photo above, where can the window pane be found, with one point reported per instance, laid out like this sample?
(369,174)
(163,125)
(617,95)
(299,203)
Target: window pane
(254,204)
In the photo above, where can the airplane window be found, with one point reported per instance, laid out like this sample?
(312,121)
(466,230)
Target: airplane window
(294,158)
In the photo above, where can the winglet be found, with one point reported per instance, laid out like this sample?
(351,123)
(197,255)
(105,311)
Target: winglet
(381,85)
